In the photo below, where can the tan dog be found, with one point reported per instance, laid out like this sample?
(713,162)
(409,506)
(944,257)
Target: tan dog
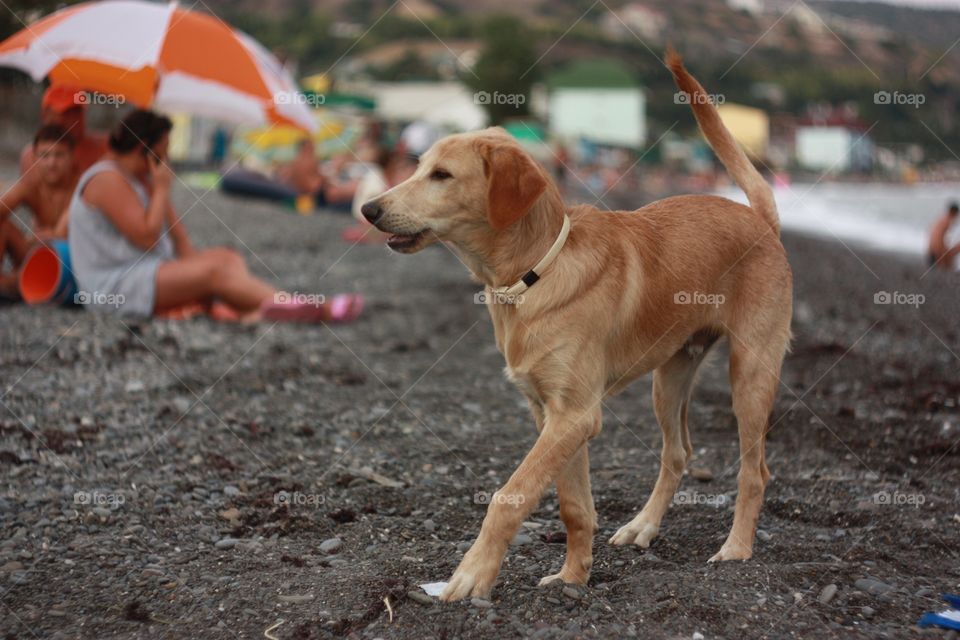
(628,293)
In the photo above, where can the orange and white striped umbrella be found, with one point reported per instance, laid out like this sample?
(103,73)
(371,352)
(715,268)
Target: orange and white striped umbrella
(159,56)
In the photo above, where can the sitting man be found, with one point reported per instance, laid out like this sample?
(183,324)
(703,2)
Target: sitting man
(63,106)
(46,191)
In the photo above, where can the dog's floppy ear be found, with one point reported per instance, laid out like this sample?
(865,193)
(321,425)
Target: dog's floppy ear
(514,183)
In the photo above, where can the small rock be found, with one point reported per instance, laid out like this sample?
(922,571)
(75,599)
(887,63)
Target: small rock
(571,593)
(331,545)
(701,473)
(134,386)
(872,586)
(521,539)
(763,536)
(429,525)
(419,597)
(868,612)
(294,599)
(827,593)
(480,603)
(232,514)
(226,543)
(231,491)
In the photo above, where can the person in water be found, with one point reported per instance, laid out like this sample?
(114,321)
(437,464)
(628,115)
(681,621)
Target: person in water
(131,255)
(938,253)
(45,192)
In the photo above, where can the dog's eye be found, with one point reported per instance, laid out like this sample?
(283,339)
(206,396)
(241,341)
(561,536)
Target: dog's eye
(440,174)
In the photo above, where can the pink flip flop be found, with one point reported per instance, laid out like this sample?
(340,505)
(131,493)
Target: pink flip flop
(346,307)
(342,308)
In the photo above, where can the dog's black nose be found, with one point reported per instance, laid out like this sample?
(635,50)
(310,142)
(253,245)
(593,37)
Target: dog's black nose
(372,211)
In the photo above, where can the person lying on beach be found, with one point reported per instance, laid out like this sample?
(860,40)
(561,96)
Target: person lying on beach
(65,107)
(131,255)
(939,254)
(45,191)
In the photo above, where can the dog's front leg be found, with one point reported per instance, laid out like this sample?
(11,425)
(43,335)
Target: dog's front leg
(566,430)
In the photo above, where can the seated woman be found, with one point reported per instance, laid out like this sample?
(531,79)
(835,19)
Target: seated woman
(131,254)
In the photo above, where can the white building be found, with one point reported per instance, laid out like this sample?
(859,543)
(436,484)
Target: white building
(833,148)
(597,101)
(449,105)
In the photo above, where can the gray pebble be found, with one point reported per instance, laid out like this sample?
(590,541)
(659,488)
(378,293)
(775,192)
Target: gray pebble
(331,545)
(226,543)
(231,491)
(872,586)
(571,593)
(826,595)
(521,539)
(420,597)
(481,603)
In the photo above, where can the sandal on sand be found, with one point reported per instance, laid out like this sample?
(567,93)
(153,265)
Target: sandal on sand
(342,308)
(346,307)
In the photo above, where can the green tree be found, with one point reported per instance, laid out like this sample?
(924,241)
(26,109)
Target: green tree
(506,69)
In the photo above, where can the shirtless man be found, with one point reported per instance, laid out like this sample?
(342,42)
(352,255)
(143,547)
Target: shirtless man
(939,254)
(46,191)
(63,106)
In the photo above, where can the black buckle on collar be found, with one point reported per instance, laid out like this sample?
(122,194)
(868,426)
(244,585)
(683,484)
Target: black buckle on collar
(530,278)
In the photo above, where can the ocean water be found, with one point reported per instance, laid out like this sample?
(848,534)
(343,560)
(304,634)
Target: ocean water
(891,217)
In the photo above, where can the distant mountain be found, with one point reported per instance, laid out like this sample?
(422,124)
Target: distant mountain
(936,27)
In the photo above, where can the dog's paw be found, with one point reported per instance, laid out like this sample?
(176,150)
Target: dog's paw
(638,533)
(732,551)
(472,579)
(565,576)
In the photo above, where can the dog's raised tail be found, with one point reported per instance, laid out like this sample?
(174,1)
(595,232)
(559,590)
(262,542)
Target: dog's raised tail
(721,141)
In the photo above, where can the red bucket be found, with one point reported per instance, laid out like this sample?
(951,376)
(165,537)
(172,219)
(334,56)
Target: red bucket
(46,275)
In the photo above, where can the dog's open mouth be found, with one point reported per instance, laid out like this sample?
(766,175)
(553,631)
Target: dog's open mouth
(400,242)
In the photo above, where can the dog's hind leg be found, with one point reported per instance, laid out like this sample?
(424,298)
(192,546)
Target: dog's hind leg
(754,379)
(672,388)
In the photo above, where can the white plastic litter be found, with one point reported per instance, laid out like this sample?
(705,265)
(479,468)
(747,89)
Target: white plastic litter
(434,589)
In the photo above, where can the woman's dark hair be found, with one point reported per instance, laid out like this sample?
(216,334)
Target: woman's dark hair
(139,128)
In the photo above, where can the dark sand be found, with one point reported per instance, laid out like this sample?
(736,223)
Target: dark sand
(198,426)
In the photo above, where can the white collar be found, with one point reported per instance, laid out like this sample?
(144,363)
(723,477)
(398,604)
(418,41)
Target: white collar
(508,293)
